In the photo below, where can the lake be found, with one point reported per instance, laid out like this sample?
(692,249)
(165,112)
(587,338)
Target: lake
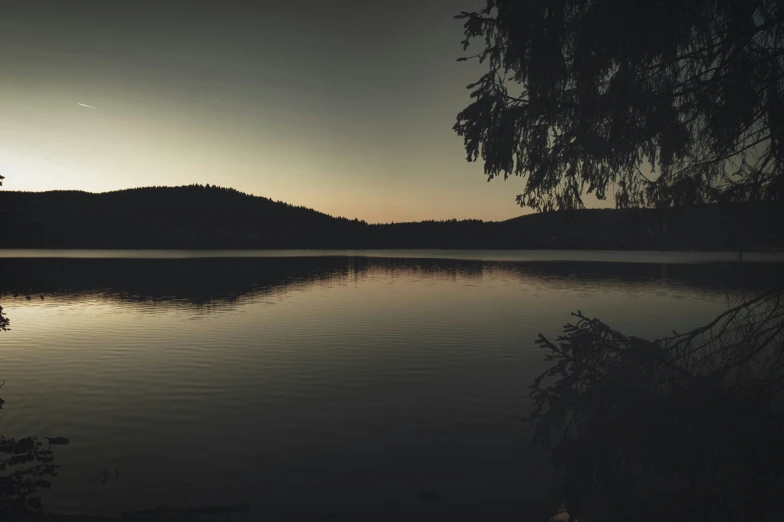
(318,385)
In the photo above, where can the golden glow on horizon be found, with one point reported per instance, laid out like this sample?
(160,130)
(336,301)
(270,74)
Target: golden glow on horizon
(352,138)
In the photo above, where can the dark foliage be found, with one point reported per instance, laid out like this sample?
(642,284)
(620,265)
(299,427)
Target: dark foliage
(26,467)
(164,217)
(684,428)
(201,217)
(582,96)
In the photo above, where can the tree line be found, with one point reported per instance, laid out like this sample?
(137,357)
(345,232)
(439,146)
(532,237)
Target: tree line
(197,216)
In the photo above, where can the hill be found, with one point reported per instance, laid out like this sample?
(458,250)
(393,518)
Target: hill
(743,226)
(198,216)
(192,216)
(705,227)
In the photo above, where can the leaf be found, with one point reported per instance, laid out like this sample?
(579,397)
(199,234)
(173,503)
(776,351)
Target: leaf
(58,441)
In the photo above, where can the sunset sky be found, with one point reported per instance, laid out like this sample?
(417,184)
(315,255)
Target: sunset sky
(343,106)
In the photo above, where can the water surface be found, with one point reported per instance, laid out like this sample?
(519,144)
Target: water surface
(320,386)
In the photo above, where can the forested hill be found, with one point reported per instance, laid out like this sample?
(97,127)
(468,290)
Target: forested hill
(163,217)
(211,217)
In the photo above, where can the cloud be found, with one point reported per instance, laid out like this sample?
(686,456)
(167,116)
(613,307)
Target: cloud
(88,106)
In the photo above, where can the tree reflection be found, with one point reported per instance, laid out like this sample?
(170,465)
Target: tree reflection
(689,427)
(218,283)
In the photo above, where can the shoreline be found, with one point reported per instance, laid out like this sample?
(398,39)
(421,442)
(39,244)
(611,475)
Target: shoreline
(512,255)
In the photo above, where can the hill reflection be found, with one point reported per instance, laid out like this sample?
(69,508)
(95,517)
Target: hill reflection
(213,283)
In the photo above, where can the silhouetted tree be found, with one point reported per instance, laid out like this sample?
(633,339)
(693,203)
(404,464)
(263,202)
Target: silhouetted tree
(666,103)
(689,427)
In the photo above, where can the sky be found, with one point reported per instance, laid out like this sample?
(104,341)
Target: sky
(342,106)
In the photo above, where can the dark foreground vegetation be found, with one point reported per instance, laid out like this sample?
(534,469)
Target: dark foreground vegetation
(689,427)
(211,217)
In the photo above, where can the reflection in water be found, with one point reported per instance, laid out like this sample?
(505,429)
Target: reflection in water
(220,282)
(686,428)
(311,387)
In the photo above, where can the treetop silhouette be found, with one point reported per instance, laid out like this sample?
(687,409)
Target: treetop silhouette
(665,103)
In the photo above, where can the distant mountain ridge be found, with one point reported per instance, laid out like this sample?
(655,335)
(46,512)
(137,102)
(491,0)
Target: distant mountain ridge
(197,216)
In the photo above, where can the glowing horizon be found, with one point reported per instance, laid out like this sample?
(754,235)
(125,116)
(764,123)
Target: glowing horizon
(352,118)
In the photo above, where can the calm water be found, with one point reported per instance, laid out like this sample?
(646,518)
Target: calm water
(317,387)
